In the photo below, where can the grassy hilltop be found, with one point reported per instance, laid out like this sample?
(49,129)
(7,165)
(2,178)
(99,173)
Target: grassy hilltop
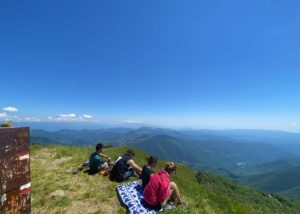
(56,190)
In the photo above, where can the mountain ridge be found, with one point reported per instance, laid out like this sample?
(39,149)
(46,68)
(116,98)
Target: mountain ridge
(201,151)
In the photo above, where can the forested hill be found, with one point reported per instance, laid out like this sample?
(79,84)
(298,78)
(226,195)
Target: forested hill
(56,190)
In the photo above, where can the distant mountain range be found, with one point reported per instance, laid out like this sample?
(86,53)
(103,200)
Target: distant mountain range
(254,157)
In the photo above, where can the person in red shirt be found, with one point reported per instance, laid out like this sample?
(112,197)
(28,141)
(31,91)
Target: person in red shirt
(160,188)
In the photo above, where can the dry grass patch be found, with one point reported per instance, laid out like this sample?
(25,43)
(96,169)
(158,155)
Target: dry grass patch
(82,193)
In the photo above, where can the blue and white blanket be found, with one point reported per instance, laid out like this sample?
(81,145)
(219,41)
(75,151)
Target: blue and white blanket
(130,195)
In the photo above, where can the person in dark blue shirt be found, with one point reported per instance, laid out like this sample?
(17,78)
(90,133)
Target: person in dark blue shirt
(147,171)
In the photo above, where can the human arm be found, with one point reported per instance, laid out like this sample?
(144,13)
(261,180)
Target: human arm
(152,173)
(104,156)
(135,167)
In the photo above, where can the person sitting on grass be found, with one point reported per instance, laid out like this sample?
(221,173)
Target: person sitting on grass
(125,167)
(147,171)
(159,189)
(95,162)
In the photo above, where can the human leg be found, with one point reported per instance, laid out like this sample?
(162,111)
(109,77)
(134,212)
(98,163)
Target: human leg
(175,191)
(174,194)
(82,166)
(104,166)
(128,174)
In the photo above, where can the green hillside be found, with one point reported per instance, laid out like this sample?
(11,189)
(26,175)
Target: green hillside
(293,192)
(278,165)
(56,190)
(281,177)
(275,181)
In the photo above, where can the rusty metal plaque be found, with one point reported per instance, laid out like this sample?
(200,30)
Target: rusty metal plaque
(13,141)
(16,201)
(14,170)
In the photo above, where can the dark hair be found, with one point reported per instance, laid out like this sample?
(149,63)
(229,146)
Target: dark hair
(170,167)
(152,160)
(129,153)
(99,146)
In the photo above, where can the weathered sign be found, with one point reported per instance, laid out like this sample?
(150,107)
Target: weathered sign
(15,183)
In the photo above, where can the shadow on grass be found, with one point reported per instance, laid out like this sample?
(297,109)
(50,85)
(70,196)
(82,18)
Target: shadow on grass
(89,172)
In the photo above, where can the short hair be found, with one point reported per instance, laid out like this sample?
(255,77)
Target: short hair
(99,146)
(129,153)
(170,167)
(152,160)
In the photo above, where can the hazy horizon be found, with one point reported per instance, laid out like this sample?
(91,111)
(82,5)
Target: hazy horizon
(57,126)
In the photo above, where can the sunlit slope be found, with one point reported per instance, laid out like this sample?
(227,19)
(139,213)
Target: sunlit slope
(56,190)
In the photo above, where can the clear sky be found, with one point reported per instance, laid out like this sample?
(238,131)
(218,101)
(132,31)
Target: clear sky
(196,64)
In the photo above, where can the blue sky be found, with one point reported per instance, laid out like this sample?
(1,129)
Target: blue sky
(196,64)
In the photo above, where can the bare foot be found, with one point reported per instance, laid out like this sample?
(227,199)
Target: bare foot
(180,204)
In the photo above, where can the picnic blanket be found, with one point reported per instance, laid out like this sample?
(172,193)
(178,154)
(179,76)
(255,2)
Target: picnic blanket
(131,195)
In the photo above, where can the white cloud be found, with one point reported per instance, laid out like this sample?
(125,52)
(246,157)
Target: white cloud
(31,119)
(72,115)
(87,116)
(3,114)
(9,117)
(132,121)
(10,109)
